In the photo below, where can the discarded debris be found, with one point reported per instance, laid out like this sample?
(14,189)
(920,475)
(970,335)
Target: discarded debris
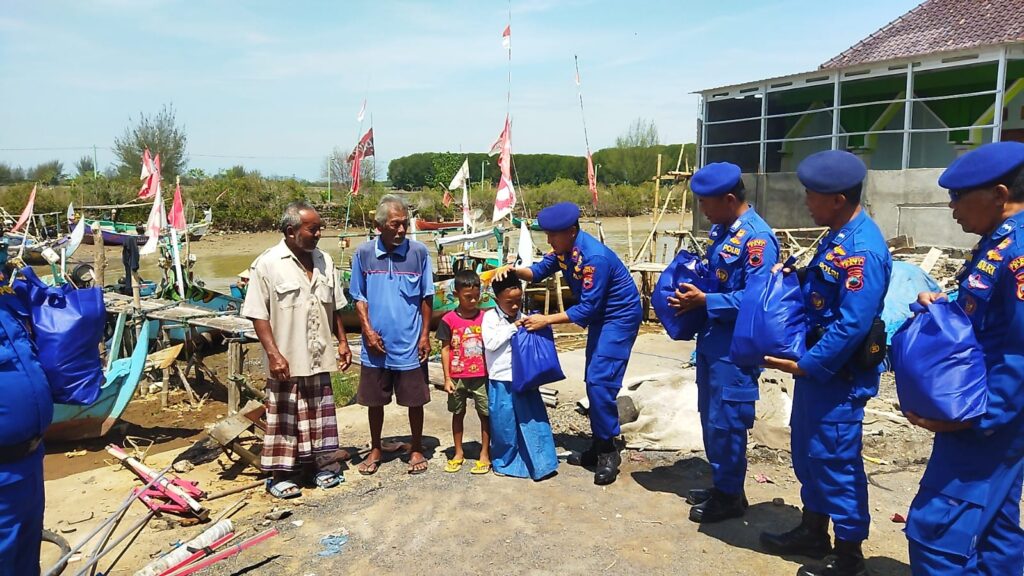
(898,518)
(75,453)
(183,466)
(332,544)
(874,460)
(763,479)
(278,514)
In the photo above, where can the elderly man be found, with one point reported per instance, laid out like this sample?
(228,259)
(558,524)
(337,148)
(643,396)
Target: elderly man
(294,301)
(844,290)
(608,306)
(393,287)
(26,408)
(966,516)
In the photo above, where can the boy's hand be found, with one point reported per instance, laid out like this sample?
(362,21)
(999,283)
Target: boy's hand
(449,386)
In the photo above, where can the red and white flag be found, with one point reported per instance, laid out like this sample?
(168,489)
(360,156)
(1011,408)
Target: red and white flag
(506,38)
(177,217)
(150,175)
(27,212)
(591,178)
(363,148)
(447,198)
(155,223)
(505,199)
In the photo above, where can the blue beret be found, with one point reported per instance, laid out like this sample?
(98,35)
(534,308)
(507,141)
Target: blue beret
(983,165)
(831,171)
(715,179)
(558,216)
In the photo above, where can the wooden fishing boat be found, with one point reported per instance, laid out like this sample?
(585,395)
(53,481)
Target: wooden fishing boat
(33,254)
(121,379)
(115,233)
(532,224)
(429,226)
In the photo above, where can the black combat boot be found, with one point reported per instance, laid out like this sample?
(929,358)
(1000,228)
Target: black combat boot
(846,560)
(698,496)
(608,460)
(720,506)
(587,458)
(810,538)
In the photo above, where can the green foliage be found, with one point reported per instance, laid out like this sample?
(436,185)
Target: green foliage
(85,166)
(443,167)
(640,134)
(344,386)
(51,173)
(162,135)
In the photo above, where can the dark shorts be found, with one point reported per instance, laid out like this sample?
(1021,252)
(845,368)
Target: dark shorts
(376,385)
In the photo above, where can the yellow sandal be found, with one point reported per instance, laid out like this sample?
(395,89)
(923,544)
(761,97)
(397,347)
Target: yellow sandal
(454,465)
(481,468)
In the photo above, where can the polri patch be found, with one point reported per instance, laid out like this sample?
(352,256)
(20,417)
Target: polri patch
(722,275)
(817,301)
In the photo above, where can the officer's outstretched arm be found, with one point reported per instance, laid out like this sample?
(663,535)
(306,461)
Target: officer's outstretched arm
(861,298)
(594,293)
(541,270)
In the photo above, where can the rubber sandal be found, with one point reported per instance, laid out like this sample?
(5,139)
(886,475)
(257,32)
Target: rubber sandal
(481,468)
(415,466)
(454,465)
(326,479)
(369,467)
(281,489)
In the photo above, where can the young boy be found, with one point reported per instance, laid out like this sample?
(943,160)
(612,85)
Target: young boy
(521,439)
(465,373)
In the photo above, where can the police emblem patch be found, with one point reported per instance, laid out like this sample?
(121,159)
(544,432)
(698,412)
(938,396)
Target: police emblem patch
(721,274)
(1004,244)
(854,278)
(817,301)
(1020,286)
(1017,263)
(994,255)
(755,252)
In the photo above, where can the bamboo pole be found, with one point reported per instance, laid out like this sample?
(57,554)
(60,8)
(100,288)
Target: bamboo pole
(101,256)
(629,237)
(668,198)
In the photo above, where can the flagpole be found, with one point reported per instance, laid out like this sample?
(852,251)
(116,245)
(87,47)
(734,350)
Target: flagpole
(586,138)
(174,244)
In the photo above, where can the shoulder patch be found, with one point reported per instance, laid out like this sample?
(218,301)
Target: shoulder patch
(986,267)
(1020,286)
(1017,263)
(755,251)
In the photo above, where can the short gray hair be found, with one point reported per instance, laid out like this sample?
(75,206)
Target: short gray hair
(384,207)
(291,217)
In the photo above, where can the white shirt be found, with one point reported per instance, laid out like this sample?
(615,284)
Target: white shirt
(300,309)
(498,331)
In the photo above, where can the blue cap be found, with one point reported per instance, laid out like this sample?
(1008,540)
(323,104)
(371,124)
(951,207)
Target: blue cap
(558,217)
(715,179)
(984,165)
(831,172)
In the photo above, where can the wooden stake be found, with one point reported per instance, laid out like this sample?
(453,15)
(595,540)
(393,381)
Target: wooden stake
(657,197)
(558,293)
(629,236)
(101,257)
(668,198)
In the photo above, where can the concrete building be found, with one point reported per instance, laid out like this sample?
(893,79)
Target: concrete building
(936,82)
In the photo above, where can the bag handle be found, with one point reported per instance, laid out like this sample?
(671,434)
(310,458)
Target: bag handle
(918,308)
(52,292)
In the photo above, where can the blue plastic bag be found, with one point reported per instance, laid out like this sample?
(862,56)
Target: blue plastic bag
(67,326)
(771,321)
(939,364)
(534,359)
(686,267)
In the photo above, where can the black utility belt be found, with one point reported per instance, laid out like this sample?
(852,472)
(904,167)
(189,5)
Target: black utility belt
(13,452)
(868,355)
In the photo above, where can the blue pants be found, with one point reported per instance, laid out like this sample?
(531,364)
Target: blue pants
(604,380)
(21,515)
(725,399)
(950,536)
(827,462)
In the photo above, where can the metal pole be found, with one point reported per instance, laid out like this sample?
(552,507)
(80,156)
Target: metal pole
(997,128)
(908,116)
(330,161)
(836,96)
(95,163)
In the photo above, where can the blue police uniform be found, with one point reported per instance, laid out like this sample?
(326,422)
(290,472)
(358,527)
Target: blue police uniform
(966,517)
(608,306)
(26,408)
(844,291)
(726,393)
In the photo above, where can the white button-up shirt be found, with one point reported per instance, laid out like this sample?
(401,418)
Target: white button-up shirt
(300,309)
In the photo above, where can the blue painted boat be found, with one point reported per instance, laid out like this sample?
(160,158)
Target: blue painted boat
(121,379)
(211,300)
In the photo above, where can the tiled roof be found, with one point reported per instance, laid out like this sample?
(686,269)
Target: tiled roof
(939,26)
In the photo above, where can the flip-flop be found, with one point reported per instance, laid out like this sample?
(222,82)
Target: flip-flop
(414,466)
(326,479)
(481,468)
(281,489)
(454,465)
(369,467)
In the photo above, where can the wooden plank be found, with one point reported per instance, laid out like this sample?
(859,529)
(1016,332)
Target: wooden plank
(930,260)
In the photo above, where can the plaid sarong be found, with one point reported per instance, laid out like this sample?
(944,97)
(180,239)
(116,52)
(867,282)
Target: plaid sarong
(301,422)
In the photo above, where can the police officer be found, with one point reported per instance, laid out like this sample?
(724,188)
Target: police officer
(966,516)
(844,287)
(608,305)
(743,247)
(26,408)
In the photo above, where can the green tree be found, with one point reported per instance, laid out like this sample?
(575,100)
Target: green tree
(162,135)
(51,172)
(444,165)
(85,166)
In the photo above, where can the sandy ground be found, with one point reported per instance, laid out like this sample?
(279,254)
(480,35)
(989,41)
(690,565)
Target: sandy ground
(439,523)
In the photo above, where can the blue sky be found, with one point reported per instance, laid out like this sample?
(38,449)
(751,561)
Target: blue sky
(276,85)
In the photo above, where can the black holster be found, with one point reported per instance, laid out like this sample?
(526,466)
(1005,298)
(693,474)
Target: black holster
(867,356)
